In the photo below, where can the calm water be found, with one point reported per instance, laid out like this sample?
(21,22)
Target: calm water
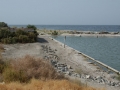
(104,49)
(110,28)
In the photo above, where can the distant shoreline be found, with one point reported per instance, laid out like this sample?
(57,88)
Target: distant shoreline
(80,33)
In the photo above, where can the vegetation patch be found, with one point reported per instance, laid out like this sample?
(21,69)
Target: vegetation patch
(24,69)
(54,33)
(17,35)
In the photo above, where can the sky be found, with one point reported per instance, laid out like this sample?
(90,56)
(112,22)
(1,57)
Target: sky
(60,12)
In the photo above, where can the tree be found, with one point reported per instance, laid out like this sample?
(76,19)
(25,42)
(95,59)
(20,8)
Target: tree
(3,24)
(31,26)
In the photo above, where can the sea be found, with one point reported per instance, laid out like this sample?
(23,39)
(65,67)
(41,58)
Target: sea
(103,49)
(109,28)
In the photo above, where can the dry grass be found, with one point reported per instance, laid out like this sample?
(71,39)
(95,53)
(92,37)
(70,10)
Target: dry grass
(45,85)
(23,69)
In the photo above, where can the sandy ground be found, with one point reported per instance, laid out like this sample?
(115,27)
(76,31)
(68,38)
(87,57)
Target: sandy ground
(66,55)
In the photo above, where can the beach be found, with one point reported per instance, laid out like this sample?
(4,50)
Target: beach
(79,67)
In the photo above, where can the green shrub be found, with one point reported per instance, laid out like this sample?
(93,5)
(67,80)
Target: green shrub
(32,26)
(14,40)
(3,24)
(54,33)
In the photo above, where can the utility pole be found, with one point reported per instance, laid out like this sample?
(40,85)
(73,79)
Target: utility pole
(64,41)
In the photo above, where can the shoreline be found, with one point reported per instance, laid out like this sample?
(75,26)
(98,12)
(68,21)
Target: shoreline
(85,55)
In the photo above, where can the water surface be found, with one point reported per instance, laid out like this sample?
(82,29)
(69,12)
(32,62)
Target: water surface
(104,49)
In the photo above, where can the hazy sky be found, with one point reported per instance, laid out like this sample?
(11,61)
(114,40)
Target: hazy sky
(60,12)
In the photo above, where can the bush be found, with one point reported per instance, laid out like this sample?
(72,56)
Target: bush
(23,39)
(14,40)
(4,33)
(19,36)
(24,69)
(54,33)
(32,26)
(3,24)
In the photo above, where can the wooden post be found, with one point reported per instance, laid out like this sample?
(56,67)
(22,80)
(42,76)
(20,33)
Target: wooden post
(64,41)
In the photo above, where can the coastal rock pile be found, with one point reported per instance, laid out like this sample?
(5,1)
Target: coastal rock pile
(67,69)
(63,68)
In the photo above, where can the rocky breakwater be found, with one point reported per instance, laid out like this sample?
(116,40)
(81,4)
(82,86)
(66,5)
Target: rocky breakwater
(68,70)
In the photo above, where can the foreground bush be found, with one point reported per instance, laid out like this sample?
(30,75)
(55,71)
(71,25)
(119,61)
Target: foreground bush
(23,69)
(45,85)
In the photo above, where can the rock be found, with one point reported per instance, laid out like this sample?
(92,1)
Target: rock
(59,68)
(102,81)
(112,83)
(69,67)
(78,75)
(83,76)
(60,65)
(59,71)
(75,75)
(54,61)
(99,77)
(87,76)
(67,73)
(55,49)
